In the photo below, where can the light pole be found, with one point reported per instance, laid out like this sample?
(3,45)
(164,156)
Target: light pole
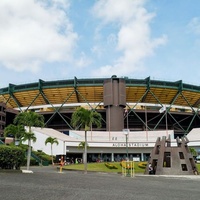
(126,133)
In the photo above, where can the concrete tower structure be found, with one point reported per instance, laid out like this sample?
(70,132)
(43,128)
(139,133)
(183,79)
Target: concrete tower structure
(114,102)
(172,160)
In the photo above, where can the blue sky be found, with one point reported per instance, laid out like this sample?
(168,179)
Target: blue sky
(60,39)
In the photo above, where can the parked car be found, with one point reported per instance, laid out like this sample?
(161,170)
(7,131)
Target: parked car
(197,160)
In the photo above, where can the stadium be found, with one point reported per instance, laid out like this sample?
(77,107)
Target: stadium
(137,105)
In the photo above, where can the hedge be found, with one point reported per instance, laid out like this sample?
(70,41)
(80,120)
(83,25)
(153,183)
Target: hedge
(43,156)
(11,157)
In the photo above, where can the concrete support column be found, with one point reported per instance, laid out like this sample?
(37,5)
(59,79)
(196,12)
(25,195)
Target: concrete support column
(112,157)
(114,103)
(142,156)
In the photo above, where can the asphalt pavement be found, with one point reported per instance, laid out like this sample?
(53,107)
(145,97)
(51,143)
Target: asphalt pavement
(47,183)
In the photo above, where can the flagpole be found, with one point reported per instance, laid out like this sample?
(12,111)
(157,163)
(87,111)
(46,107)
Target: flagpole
(166,123)
(146,122)
(126,116)
(163,109)
(109,123)
(127,119)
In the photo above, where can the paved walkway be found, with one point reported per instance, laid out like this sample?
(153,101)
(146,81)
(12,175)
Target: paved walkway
(47,183)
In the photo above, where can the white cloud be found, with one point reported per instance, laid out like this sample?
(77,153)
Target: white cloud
(97,50)
(33,32)
(82,61)
(134,35)
(194,25)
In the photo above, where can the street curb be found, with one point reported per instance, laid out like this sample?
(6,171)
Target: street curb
(27,171)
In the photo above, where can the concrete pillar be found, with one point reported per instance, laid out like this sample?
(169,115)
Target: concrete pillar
(142,156)
(114,103)
(112,157)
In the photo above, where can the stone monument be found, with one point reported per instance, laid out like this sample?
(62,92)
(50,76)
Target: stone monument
(166,159)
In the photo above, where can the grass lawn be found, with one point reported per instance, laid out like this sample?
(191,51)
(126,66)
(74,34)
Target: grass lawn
(198,167)
(100,167)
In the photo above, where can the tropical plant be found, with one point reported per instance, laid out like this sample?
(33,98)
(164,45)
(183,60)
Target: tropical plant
(82,145)
(83,118)
(29,119)
(16,131)
(51,141)
(193,151)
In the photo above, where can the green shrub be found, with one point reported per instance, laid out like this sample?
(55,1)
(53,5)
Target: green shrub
(33,162)
(110,166)
(43,156)
(11,157)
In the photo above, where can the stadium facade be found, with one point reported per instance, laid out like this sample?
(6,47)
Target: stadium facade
(137,105)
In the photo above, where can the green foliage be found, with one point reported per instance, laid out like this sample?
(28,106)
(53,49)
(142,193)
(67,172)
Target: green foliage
(16,131)
(29,136)
(110,166)
(40,154)
(86,118)
(22,146)
(43,156)
(82,145)
(29,119)
(100,167)
(83,118)
(51,141)
(11,157)
(193,151)
(33,162)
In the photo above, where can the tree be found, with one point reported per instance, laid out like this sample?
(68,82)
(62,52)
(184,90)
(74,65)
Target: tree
(83,118)
(51,141)
(82,145)
(17,131)
(29,119)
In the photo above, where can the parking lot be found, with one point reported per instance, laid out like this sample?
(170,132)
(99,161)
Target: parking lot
(48,183)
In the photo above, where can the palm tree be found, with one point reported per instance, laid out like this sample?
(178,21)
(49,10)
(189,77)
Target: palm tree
(82,145)
(29,119)
(17,131)
(29,136)
(85,118)
(51,141)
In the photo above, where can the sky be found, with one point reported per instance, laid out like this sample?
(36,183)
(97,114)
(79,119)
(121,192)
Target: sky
(63,39)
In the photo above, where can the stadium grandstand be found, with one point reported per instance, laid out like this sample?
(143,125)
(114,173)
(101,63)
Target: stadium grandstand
(134,104)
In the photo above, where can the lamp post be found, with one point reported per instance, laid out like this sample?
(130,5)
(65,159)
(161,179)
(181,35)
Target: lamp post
(126,133)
